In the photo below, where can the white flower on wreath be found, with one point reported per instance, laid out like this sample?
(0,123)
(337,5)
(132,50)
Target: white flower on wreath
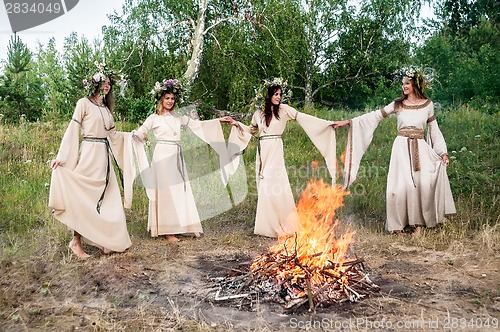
(261,92)
(91,84)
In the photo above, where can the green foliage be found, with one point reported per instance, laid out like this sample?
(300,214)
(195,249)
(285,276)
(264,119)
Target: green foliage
(464,53)
(51,72)
(79,64)
(136,109)
(370,45)
(21,90)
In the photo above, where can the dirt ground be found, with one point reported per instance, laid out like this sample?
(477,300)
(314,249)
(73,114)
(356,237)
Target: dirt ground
(160,286)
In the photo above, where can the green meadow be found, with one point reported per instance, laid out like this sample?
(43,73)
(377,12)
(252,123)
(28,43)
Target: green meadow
(472,138)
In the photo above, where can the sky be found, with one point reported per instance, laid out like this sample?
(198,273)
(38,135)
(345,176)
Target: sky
(86,19)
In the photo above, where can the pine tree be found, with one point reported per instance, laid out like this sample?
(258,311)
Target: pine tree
(20,90)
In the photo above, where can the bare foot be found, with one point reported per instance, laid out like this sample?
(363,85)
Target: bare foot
(417,232)
(107,251)
(172,238)
(77,249)
(196,234)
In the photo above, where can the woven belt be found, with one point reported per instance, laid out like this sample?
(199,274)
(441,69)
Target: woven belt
(96,139)
(412,133)
(108,167)
(261,138)
(413,136)
(180,157)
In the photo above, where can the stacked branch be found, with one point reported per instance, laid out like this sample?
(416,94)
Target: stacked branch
(282,278)
(315,267)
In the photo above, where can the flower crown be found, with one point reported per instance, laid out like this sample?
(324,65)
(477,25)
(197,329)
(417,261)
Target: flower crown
(261,93)
(91,84)
(168,86)
(423,77)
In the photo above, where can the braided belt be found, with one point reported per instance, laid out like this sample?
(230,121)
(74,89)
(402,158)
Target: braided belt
(96,139)
(180,157)
(413,135)
(263,138)
(108,167)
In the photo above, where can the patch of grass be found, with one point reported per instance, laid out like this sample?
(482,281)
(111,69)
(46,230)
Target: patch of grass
(25,151)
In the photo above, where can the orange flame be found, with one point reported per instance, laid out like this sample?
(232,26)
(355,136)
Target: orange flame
(316,246)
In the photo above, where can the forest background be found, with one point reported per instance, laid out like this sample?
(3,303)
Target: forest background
(339,58)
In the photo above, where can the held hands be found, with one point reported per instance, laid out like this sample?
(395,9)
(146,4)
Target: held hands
(230,120)
(340,124)
(54,163)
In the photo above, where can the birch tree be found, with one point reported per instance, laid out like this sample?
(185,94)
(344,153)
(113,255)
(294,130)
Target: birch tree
(175,27)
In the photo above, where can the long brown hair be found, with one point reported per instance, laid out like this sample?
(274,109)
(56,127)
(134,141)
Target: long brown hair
(109,99)
(269,108)
(398,102)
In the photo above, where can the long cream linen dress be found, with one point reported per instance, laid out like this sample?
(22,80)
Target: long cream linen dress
(276,212)
(80,180)
(172,208)
(416,195)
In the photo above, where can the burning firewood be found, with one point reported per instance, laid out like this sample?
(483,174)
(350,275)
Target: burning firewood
(313,266)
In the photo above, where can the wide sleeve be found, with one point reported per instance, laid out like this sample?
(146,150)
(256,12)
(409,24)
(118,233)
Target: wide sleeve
(290,112)
(360,135)
(141,133)
(69,148)
(322,135)
(434,136)
(142,166)
(140,158)
(238,140)
(210,131)
(121,146)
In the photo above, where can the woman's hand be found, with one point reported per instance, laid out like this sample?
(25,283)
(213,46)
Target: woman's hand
(54,163)
(230,120)
(446,160)
(340,124)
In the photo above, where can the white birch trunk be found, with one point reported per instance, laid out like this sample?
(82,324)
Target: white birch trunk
(308,98)
(198,42)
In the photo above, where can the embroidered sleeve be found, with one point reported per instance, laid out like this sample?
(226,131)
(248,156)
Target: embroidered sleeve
(387,110)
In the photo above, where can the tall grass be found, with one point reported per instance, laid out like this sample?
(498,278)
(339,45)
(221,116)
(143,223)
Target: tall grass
(25,151)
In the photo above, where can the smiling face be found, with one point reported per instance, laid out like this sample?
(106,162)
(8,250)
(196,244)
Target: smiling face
(407,86)
(276,97)
(168,102)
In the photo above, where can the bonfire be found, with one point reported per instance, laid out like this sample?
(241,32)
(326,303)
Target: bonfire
(315,266)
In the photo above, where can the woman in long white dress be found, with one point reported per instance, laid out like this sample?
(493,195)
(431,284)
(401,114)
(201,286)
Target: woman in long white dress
(418,191)
(84,193)
(172,208)
(276,212)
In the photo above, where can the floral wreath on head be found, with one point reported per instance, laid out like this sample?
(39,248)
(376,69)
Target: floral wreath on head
(261,93)
(173,86)
(94,82)
(423,77)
